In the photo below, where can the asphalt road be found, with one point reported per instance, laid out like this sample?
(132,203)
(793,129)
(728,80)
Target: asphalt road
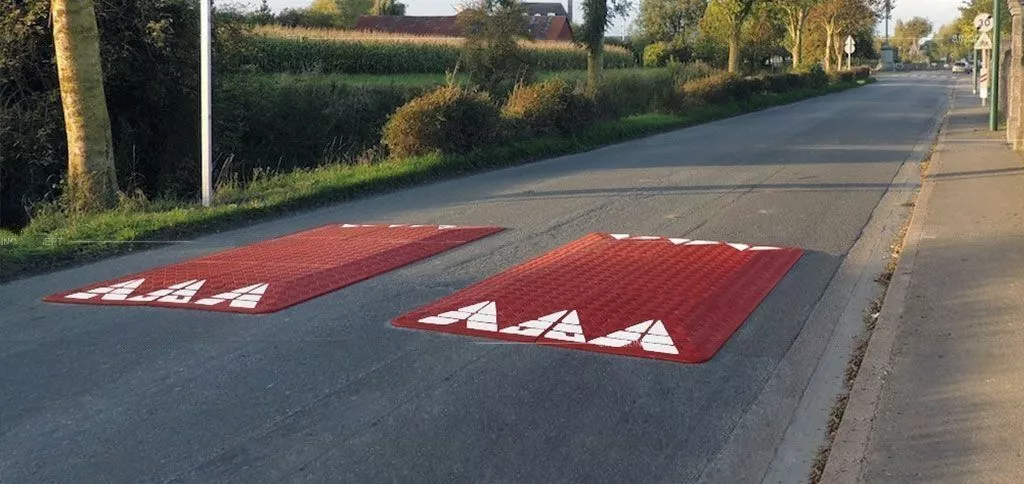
(330,391)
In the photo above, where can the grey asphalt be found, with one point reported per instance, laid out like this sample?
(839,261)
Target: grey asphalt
(330,391)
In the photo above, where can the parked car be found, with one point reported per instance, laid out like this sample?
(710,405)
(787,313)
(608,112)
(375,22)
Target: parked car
(960,68)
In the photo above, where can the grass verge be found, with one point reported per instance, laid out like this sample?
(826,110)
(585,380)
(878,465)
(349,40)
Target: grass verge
(54,240)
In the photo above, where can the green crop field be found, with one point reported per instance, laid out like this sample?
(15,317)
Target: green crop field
(304,50)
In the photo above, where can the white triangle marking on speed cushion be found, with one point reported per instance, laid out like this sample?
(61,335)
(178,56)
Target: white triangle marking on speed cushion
(243,297)
(535,327)
(657,340)
(625,337)
(180,293)
(481,316)
(620,236)
(651,335)
(568,329)
(113,292)
(678,241)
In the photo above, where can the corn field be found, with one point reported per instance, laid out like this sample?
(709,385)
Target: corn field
(307,50)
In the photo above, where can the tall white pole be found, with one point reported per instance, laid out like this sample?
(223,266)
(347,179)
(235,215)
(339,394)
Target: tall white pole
(205,101)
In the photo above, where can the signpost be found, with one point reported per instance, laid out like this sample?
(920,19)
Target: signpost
(993,118)
(849,48)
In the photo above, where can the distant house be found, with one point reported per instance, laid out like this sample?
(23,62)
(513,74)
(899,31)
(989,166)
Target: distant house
(546,27)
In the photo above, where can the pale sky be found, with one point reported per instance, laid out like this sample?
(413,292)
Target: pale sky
(940,12)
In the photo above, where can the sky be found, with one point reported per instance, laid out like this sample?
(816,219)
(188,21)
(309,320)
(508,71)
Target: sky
(940,12)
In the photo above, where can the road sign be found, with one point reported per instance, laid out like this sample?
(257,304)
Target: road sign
(983,22)
(984,42)
(851,45)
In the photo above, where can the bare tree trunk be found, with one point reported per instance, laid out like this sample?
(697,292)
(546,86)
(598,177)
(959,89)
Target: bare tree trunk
(734,49)
(795,24)
(798,51)
(837,48)
(92,180)
(828,47)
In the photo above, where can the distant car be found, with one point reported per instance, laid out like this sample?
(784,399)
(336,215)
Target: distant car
(960,68)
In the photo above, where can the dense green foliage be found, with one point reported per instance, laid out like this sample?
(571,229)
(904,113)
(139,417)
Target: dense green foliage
(279,124)
(271,54)
(148,48)
(450,119)
(552,107)
(492,53)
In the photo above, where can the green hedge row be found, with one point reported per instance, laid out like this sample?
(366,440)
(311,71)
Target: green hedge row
(453,120)
(282,123)
(271,54)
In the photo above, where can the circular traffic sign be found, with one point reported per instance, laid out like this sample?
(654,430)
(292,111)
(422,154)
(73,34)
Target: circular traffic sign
(983,22)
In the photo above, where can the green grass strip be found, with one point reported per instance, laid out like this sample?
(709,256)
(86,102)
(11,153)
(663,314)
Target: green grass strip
(54,240)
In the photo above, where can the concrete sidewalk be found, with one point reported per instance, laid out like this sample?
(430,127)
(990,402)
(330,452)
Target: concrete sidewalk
(940,396)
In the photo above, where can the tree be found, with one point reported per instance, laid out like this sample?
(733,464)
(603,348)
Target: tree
(387,7)
(596,17)
(345,12)
(732,14)
(796,14)
(837,19)
(907,36)
(670,20)
(92,179)
(491,53)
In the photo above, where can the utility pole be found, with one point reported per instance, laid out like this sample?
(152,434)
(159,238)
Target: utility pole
(993,118)
(205,101)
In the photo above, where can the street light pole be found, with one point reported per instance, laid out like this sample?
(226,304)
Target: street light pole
(993,118)
(205,101)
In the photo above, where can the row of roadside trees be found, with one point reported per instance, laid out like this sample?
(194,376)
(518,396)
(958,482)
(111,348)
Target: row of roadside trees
(747,31)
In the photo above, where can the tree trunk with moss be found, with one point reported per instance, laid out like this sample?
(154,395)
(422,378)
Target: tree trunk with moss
(595,67)
(92,180)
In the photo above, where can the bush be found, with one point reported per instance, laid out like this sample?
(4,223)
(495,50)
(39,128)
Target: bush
(449,119)
(635,91)
(814,76)
(656,54)
(552,107)
(841,76)
(862,72)
(717,89)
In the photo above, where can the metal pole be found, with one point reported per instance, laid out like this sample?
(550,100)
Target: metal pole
(205,101)
(975,68)
(993,119)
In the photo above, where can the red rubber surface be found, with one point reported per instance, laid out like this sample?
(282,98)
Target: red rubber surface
(272,275)
(618,288)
